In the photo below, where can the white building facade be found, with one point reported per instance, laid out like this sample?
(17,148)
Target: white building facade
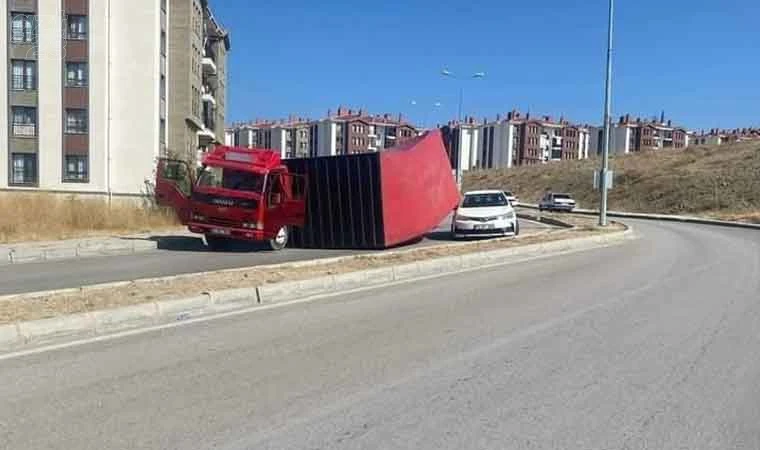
(85,89)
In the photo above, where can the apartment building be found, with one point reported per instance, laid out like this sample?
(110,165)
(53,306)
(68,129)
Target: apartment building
(291,137)
(344,132)
(86,90)
(718,136)
(198,47)
(635,135)
(514,140)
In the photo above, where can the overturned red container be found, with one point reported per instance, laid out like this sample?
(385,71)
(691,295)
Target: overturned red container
(376,200)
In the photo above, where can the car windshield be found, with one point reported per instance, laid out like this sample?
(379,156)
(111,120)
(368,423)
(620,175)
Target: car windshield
(508,193)
(483,200)
(562,196)
(238,180)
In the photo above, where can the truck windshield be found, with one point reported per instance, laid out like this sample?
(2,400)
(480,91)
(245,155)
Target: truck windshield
(483,200)
(238,180)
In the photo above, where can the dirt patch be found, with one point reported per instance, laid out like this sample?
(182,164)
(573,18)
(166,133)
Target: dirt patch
(42,217)
(701,181)
(22,308)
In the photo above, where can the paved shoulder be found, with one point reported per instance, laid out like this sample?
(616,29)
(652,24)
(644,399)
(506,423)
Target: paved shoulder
(178,254)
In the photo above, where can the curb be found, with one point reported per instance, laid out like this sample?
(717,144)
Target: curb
(663,217)
(45,331)
(15,255)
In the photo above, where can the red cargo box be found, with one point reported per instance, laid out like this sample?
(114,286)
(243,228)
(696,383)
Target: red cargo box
(376,200)
(418,188)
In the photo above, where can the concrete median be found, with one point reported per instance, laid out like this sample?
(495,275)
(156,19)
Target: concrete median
(68,327)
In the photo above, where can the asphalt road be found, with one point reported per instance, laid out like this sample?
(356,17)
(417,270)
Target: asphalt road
(649,345)
(177,255)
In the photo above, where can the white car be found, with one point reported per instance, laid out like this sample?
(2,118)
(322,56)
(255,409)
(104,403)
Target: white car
(485,213)
(513,200)
(554,201)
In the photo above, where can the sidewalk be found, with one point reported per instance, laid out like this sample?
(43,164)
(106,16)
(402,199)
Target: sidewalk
(29,252)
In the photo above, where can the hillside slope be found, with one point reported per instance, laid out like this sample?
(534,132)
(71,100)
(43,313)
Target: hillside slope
(710,181)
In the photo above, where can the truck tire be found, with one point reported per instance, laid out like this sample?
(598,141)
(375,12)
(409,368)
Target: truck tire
(281,240)
(216,243)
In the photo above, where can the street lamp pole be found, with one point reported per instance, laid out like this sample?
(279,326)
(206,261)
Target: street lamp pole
(607,123)
(475,76)
(461,99)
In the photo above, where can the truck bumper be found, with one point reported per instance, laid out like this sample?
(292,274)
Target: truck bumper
(244,234)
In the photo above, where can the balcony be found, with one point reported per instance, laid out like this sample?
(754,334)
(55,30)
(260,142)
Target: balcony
(209,66)
(208,95)
(206,137)
(209,62)
(24,129)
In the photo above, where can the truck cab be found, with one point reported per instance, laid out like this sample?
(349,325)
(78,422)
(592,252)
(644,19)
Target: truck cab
(236,194)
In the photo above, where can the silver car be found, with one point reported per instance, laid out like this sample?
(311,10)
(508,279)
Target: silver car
(554,201)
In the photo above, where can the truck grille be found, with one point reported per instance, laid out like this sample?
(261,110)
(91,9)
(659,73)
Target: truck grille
(222,222)
(230,202)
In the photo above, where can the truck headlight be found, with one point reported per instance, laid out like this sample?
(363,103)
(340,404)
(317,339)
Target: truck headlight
(253,226)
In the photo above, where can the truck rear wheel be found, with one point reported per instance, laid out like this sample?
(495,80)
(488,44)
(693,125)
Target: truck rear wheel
(280,241)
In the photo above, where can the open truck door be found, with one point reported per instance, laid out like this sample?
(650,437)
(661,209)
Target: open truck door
(286,199)
(286,206)
(174,185)
(294,200)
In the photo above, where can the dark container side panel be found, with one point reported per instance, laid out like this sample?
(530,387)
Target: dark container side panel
(344,202)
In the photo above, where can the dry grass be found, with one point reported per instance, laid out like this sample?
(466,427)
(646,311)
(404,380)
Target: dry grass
(30,307)
(710,181)
(34,217)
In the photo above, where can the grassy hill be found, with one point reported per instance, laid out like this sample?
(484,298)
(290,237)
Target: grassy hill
(709,181)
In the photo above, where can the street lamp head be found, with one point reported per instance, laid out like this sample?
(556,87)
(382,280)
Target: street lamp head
(479,75)
(437,104)
(446,73)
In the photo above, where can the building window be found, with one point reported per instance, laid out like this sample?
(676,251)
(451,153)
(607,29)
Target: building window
(23,28)
(163,43)
(24,168)
(76,121)
(24,121)
(75,168)
(76,27)
(163,5)
(23,75)
(76,74)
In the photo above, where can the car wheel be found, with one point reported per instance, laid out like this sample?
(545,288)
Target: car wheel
(280,240)
(517,227)
(216,243)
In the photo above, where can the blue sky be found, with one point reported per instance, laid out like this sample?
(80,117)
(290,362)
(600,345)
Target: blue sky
(699,60)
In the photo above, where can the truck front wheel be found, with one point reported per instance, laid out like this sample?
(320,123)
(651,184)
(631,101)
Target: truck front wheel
(280,240)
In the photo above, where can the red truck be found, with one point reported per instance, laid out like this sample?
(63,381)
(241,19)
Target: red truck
(370,200)
(238,194)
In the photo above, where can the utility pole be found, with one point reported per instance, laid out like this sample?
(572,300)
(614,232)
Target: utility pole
(607,124)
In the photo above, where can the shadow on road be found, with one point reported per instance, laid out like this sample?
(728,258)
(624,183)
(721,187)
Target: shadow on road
(440,236)
(196,244)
